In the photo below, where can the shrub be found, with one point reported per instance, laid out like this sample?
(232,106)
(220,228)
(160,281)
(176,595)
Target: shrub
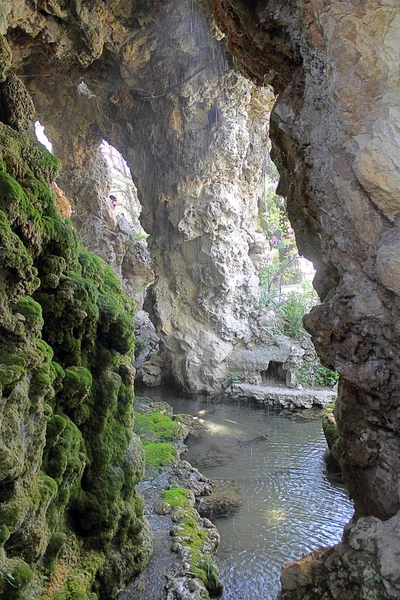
(312,373)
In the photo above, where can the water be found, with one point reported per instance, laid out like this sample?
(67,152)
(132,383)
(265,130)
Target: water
(290,506)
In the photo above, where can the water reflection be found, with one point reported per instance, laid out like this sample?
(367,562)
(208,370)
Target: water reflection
(290,507)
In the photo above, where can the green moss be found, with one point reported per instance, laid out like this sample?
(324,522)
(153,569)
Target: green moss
(156,426)
(66,346)
(75,572)
(57,374)
(330,428)
(32,312)
(19,273)
(10,375)
(57,541)
(4,533)
(76,386)
(160,454)
(176,496)
(194,538)
(14,582)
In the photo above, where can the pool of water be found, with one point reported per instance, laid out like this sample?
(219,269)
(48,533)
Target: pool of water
(290,506)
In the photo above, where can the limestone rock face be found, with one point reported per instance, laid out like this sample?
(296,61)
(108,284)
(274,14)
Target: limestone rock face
(86,180)
(368,559)
(334,130)
(335,140)
(157,83)
(103,70)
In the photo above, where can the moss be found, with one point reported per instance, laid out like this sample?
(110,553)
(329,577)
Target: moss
(4,533)
(58,374)
(32,312)
(330,428)
(160,454)
(14,582)
(70,461)
(176,496)
(76,386)
(157,426)
(74,574)
(5,58)
(10,375)
(19,274)
(57,541)
(192,537)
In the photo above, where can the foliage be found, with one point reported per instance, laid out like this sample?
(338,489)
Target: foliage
(284,269)
(312,373)
(292,310)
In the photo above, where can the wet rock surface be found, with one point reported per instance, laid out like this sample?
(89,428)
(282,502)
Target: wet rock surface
(225,498)
(325,127)
(169,574)
(365,565)
(281,397)
(334,129)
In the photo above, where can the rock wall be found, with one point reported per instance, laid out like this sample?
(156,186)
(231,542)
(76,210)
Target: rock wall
(71,522)
(158,84)
(154,80)
(334,129)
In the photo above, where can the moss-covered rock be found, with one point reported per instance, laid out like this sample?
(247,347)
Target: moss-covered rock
(157,426)
(196,541)
(332,436)
(69,461)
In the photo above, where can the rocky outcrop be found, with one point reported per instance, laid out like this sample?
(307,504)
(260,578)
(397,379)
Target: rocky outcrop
(282,398)
(157,83)
(333,129)
(69,461)
(335,67)
(87,180)
(364,565)
(326,127)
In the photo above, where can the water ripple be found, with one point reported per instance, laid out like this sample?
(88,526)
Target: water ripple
(290,507)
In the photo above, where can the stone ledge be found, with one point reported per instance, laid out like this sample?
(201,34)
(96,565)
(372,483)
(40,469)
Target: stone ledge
(282,397)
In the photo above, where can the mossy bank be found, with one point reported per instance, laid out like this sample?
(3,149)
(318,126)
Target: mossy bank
(69,461)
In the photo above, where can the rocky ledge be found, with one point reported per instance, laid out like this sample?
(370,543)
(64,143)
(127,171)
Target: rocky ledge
(281,397)
(182,566)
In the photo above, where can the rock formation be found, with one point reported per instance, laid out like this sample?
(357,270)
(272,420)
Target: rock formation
(159,86)
(335,67)
(155,80)
(68,458)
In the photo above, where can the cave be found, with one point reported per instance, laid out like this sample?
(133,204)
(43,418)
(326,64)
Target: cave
(189,93)
(274,374)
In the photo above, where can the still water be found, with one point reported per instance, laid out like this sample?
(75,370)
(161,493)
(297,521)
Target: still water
(290,506)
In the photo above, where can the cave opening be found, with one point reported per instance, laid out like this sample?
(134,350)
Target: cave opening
(160,84)
(274,374)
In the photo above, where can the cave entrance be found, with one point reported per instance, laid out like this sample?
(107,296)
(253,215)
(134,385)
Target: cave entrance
(275,374)
(123,197)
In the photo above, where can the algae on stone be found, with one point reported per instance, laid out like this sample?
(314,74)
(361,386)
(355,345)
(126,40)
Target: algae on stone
(69,460)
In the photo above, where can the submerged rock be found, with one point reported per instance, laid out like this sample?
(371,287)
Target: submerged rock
(225,498)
